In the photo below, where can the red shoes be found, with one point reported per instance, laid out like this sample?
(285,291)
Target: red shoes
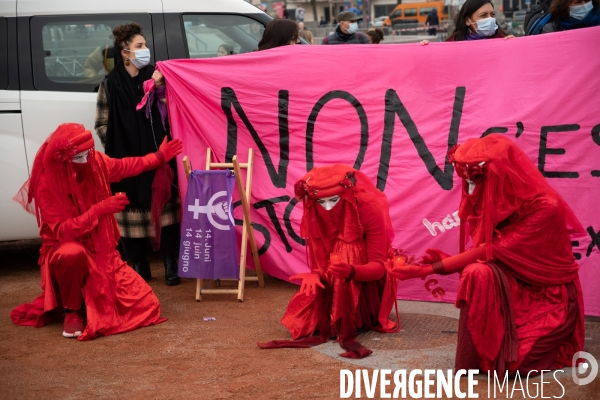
(74,324)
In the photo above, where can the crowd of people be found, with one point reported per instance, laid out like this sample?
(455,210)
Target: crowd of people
(88,203)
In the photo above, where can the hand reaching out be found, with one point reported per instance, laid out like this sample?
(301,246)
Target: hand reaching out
(170,149)
(310,282)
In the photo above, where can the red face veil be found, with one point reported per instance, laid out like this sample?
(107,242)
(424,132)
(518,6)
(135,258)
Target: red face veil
(75,187)
(505,179)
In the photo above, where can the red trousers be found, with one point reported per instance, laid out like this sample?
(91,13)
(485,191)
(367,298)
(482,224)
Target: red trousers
(69,269)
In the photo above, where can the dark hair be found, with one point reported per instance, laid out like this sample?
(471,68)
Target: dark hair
(559,9)
(278,32)
(124,35)
(227,47)
(376,35)
(461,30)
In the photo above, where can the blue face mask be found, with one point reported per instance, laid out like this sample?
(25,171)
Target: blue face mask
(581,11)
(353,27)
(142,58)
(486,27)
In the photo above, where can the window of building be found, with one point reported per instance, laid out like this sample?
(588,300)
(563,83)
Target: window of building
(211,35)
(74,53)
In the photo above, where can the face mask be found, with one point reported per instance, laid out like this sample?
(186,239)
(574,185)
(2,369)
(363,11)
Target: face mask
(486,27)
(328,202)
(353,27)
(142,58)
(581,11)
(81,158)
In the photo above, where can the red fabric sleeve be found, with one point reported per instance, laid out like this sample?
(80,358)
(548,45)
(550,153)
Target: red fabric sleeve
(57,222)
(458,262)
(120,168)
(376,240)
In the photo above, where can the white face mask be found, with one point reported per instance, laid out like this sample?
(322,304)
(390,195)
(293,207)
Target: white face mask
(81,158)
(353,27)
(486,27)
(328,202)
(581,11)
(471,186)
(142,57)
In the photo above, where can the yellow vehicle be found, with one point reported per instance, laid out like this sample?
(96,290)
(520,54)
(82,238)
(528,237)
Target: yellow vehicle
(415,13)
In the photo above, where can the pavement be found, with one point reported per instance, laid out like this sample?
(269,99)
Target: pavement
(219,358)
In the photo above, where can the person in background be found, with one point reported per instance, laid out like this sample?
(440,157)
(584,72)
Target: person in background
(346,32)
(285,14)
(322,21)
(225,50)
(476,20)
(300,14)
(154,207)
(432,22)
(100,62)
(375,35)
(279,32)
(565,15)
(300,26)
(307,36)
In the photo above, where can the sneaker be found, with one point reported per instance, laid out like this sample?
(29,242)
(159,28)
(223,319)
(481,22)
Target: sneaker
(74,324)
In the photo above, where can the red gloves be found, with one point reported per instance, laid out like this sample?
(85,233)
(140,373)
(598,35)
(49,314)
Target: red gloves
(342,270)
(409,271)
(310,282)
(112,205)
(170,149)
(433,255)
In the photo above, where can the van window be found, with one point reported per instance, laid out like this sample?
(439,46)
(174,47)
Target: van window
(74,53)
(234,34)
(410,12)
(3,53)
(396,14)
(425,11)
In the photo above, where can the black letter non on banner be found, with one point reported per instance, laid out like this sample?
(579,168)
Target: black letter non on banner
(545,150)
(257,227)
(596,139)
(269,205)
(312,119)
(228,98)
(288,223)
(393,107)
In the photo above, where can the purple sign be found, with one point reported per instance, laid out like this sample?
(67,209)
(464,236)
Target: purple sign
(208,247)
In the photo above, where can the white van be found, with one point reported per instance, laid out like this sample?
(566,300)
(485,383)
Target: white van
(55,53)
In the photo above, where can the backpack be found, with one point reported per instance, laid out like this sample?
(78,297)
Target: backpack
(534,16)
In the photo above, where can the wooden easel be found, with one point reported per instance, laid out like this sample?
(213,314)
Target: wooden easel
(247,232)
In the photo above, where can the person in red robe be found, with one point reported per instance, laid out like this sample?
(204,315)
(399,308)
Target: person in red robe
(520,300)
(348,233)
(83,276)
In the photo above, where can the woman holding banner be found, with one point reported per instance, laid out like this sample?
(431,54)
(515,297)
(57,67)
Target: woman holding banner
(154,208)
(519,293)
(563,15)
(476,20)
(348,233)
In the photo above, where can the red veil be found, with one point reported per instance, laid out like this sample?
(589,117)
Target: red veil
(361,215)
(60,193)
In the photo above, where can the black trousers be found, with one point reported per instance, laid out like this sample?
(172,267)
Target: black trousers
(135,248)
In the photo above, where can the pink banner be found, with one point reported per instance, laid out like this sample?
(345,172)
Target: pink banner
(393,112)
